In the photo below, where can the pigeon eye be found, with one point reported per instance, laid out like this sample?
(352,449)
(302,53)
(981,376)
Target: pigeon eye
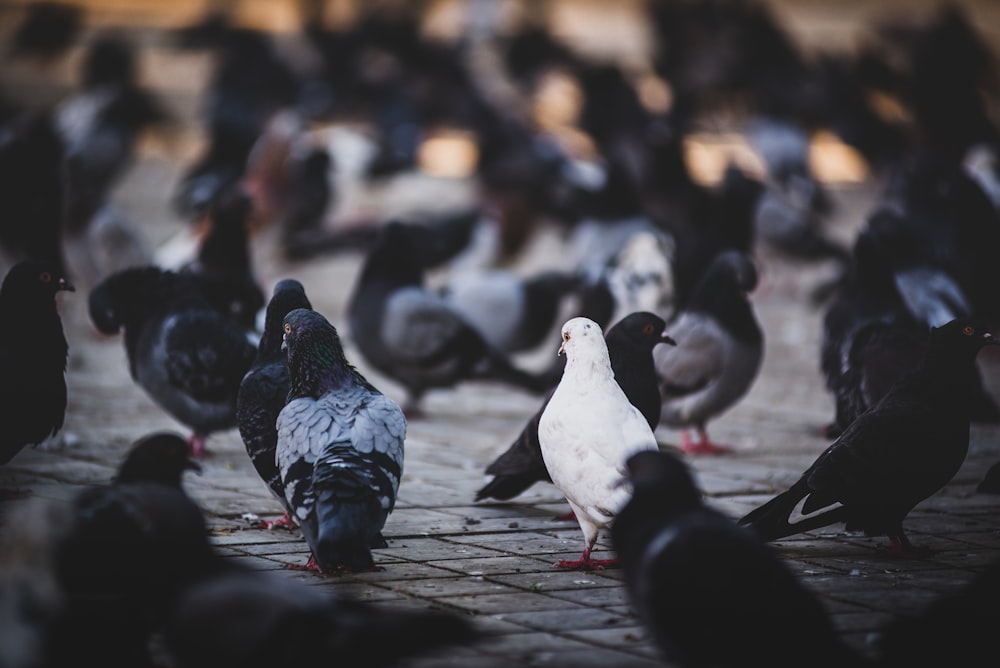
(968,329)
(45,277)
(565,336)
(648,329)
(288,328)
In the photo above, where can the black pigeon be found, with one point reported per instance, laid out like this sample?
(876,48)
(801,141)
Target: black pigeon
(254,619)
(223,265)
(264,390)
(709,592)
(630,347)
(33,353)
(411,334)
(898,453)
(186,355)
(720,347)
(339,450)
(957,628)
(132,545)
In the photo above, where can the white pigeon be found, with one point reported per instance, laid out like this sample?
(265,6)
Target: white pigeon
(587,432)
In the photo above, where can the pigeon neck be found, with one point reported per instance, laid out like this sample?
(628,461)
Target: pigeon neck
(587,368)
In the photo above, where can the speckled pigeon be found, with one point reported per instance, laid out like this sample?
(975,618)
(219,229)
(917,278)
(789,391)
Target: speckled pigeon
(340,448)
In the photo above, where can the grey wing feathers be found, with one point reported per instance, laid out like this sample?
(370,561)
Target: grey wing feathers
(419,324)
(698,355)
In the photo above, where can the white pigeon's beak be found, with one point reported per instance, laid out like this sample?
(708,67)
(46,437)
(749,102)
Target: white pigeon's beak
(562,349)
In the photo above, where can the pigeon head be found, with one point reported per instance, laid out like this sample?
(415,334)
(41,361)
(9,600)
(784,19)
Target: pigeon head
(288,295)
(968,333)
(642,329)
(739,266)
(34,280)
(161,457)
(663,476)
(580,332)
(316,360)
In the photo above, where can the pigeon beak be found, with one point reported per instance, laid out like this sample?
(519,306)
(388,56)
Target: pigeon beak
(667,339)
(991,340)
(65,285)
(562,349)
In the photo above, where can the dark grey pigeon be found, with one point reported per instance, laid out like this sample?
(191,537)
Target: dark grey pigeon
(720,347)
(132,545)
(412,335)
(264,391)
(33,352)
(254,619)
(892,457)
(223,263)
(630,347)
(709,592)
(187,356)
(513,313)
(340,448)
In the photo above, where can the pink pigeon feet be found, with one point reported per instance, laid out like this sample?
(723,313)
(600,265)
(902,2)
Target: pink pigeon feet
(283,522)
(311,565)
(703,446)
(902,548)
(197,444)
(585,563)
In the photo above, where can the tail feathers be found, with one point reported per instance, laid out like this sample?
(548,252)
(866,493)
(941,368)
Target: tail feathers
(782,516)
(504,487)
(518,468)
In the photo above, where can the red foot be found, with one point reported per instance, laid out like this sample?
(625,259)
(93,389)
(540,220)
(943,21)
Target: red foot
(283,522)
(310,565)
(565,518)
(586,563)
(703,447)
(197,444)
(903,549)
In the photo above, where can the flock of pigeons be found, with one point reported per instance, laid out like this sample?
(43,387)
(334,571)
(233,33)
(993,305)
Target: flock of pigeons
(657,324)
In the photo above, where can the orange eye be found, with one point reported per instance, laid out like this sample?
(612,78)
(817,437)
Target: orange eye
(648,329)
(968,329)
(288,328)
(565,336)
(45,277)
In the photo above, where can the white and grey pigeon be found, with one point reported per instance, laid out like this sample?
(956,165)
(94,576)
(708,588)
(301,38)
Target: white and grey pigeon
(720,347)
(340,448)
(587,432)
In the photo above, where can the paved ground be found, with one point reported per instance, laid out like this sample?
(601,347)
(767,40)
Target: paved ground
(494,562)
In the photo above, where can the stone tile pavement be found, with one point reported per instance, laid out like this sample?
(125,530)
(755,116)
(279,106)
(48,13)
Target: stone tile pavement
(494,561)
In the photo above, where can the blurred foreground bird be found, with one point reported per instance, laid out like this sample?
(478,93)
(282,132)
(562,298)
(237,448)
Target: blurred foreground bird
(412,335)
(244,618)
(187,356)
(892,457)
(720,347)
(587,431)
(33,353)
(709,592)
(133,544)
(339,449)
(264,391)
(957,628)
(630,349)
